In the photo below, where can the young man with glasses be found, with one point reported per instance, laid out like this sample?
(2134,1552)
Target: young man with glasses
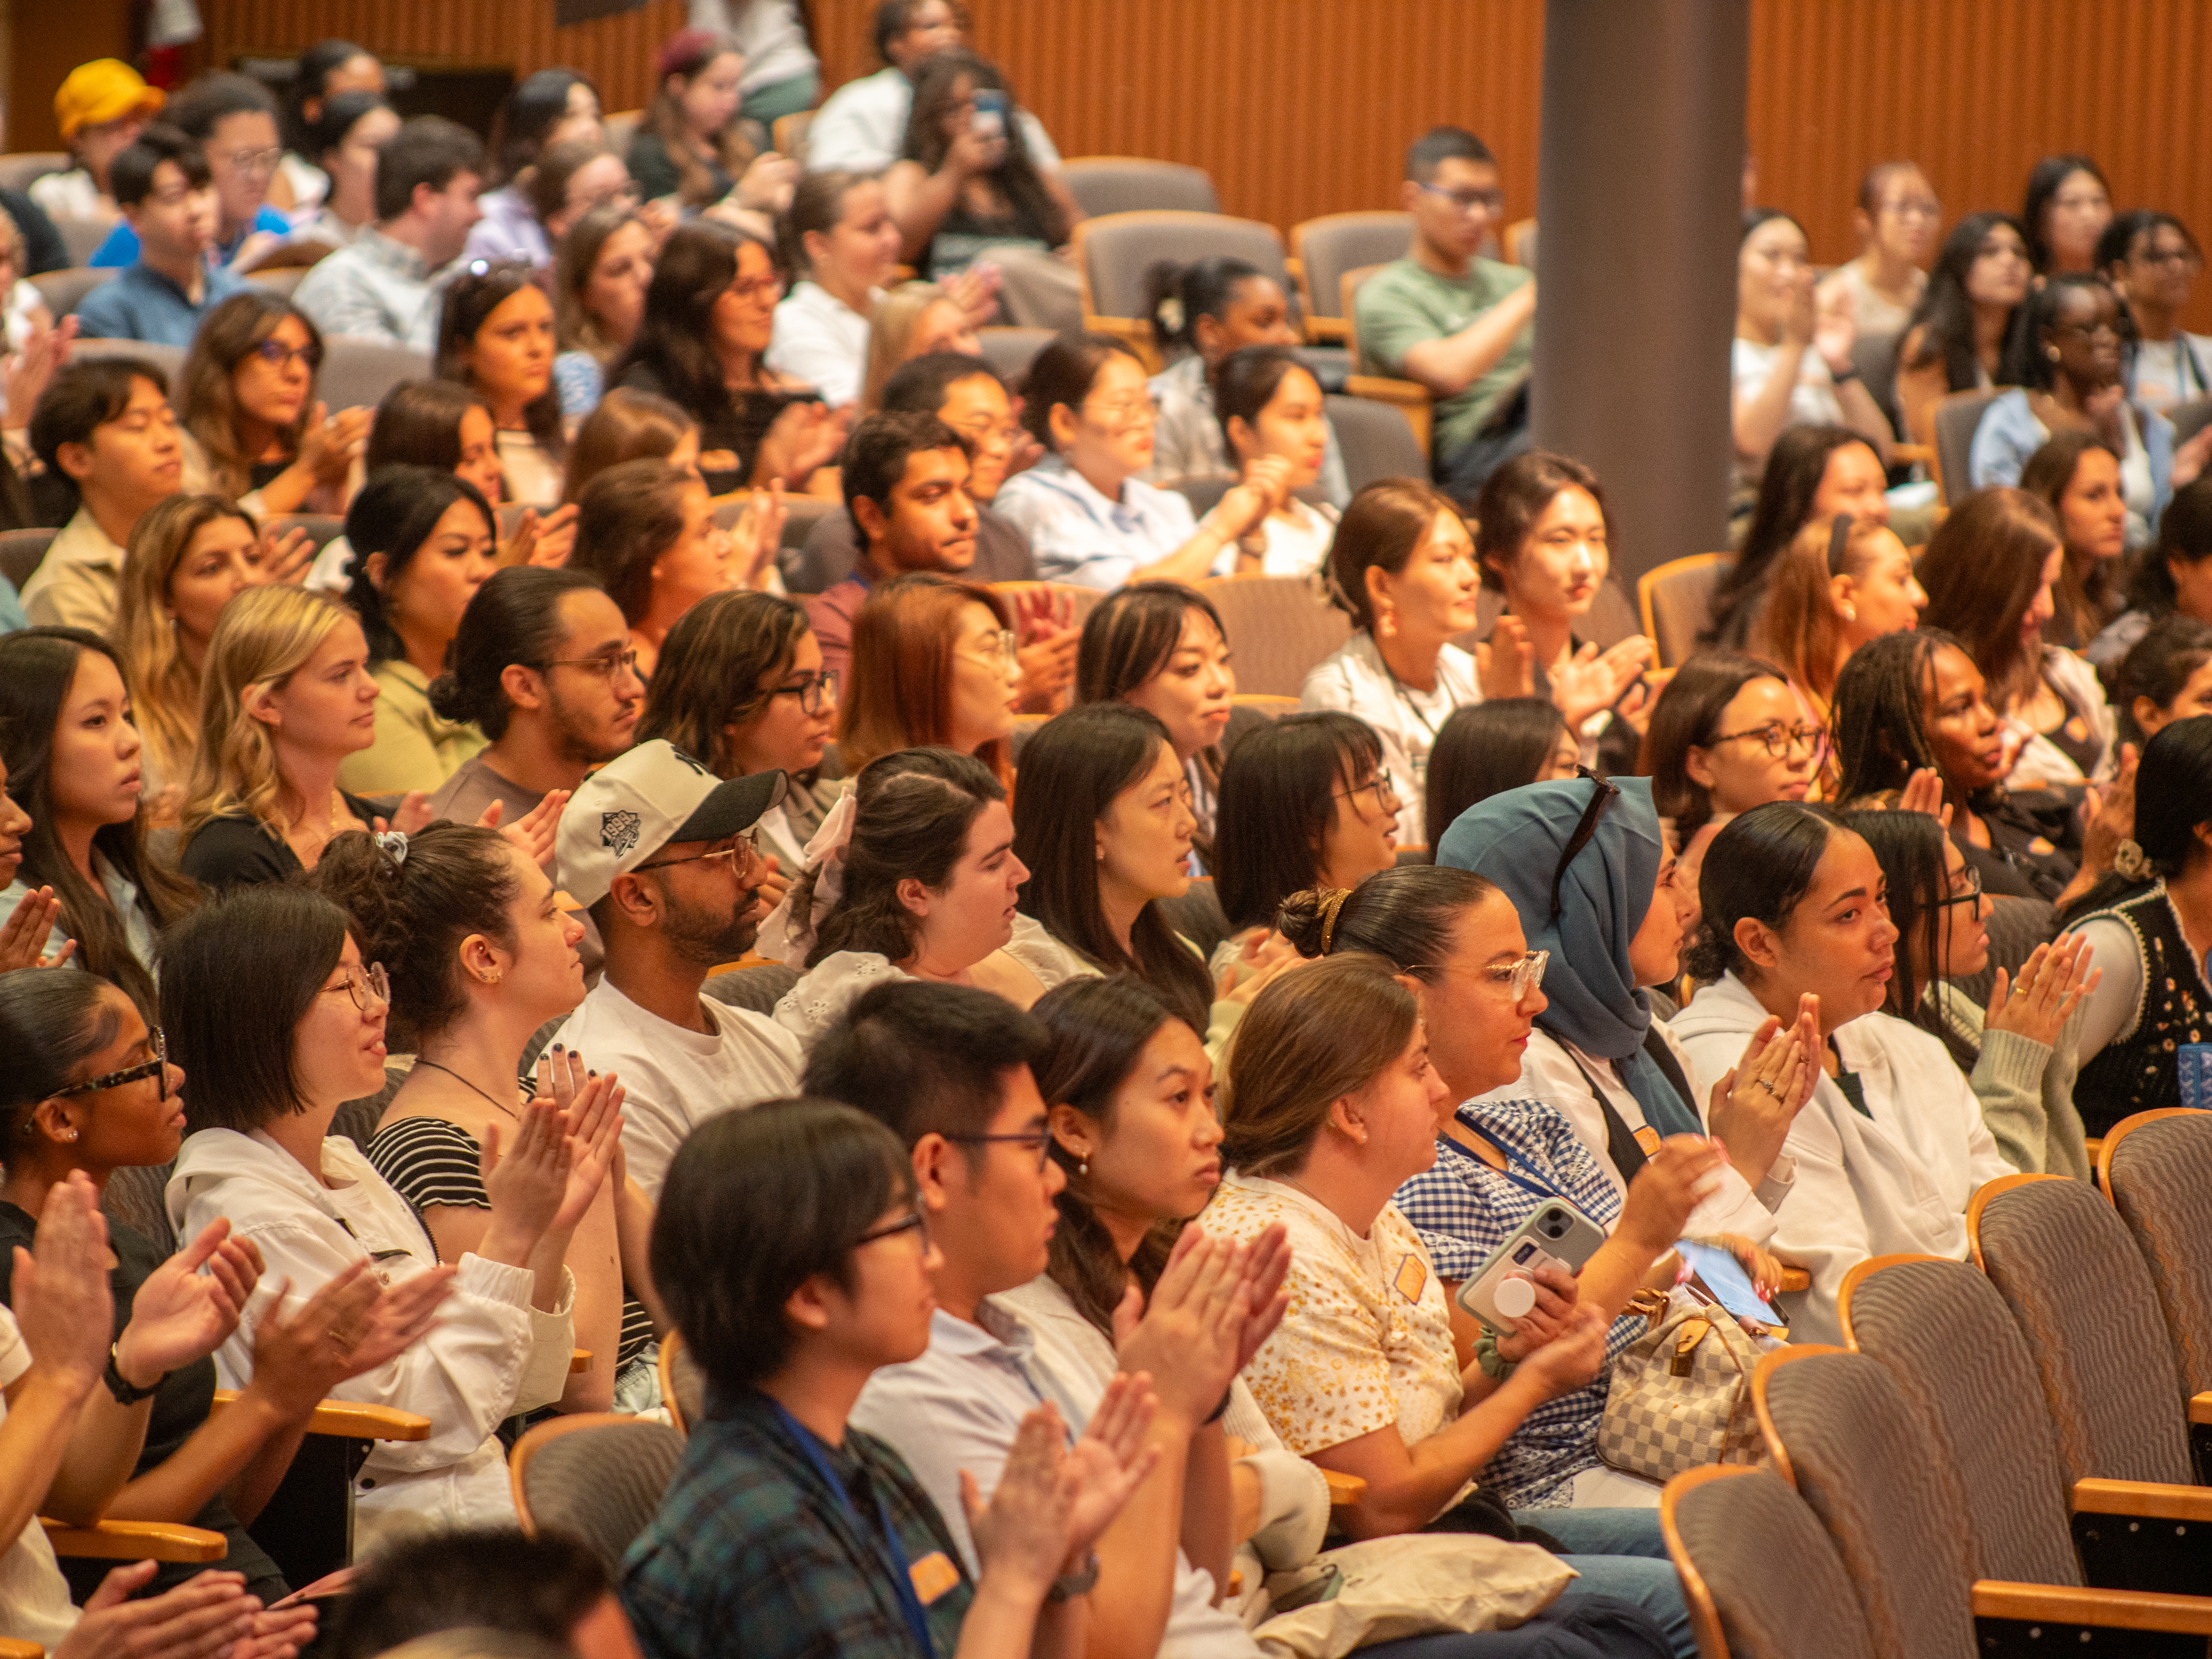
(663,853)
(232,118)
(161,180)
(1460,324)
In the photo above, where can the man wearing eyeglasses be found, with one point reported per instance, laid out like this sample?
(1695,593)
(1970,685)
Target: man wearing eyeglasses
(663,855)
(1461,324)
(233,120)
(161,180)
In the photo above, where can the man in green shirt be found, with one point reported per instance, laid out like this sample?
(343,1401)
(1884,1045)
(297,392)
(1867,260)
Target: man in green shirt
(1457,323)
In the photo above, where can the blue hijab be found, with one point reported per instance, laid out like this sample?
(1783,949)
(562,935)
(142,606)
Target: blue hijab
(1514,839)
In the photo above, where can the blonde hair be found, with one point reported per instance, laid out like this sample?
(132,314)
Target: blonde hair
(1798,625)
(897,316)
(266,635)
(165,688)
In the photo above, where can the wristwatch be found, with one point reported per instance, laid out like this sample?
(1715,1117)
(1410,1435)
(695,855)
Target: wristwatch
(1069,1585)
(126,1392)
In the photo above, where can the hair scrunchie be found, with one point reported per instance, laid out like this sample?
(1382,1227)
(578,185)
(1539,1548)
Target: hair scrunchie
(1330,908)
(2130,861)
(783,936)
(392,843)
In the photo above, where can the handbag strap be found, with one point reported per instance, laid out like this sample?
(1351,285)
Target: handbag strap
(1619,1140)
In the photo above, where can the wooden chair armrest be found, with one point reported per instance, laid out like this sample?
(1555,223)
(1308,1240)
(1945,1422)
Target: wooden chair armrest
(349,1419)
(2189,1615)
(2200,1407)
(11,1649)
(1327,330)
(136,1540)
(1906,454)
(1344,1490)
(2148,1499)
(1795,1280)
(580,1360)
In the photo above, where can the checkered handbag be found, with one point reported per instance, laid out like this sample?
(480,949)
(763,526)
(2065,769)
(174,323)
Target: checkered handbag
(1681,1397)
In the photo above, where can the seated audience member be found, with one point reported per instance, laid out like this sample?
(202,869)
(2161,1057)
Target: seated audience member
(968,395)
(1792,357)
(1461,324)
(1210,309)
(326,71)
(905,479)
(541,666)
(913,876)
(104,424)
(1270,409)
(600,273)
(690,146)
(1543,540)
(646,530)
(790,1240)
(1896,219)
(912,320)
(570,179)
(1089,518)
(232,118)
(495,337)
(92,1091)
(2142,926)
(1403,565)
(2068,206)
(478,955)
(72,758)
(783,74)
(1992,569)
(549,1585)
(541,112)
(278,1021)
(345,140)
(741,688)
(683,1057)
(426,541)
(1161,646)
(709,313)
(285,697)
(2017,1059)
(1891,1145)
(2077,476)
(1304,803)
(2068,370)
(1333,1105)
(839,239)
(1834,589)
(1962,330)
(1486,749)
(253,429)
(862,125)
(1727,734)
(385,285)
(2171,575)
(25,320)
(2162,678)
(630,426)
(188,559)
(98,109)
(1813,473)
(167,285)
(934,663)
(2152,261)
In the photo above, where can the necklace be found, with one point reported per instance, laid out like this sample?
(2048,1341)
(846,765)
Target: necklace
(420,1060)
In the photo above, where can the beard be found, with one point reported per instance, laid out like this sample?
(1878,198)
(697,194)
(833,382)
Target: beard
(577,739)
(707,936)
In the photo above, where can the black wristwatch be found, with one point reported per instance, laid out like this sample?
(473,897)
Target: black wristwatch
(125,1393)
(1069,1585)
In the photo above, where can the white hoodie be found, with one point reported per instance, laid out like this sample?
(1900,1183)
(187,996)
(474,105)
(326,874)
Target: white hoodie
(490,1355)
(1895,1179)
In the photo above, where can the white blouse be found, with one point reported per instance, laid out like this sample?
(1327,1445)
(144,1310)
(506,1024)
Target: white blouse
(1354,679)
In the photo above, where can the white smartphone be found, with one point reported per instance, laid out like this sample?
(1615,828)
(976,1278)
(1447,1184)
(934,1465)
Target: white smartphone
(1502,1294)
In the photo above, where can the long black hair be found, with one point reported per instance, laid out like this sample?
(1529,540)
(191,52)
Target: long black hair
(675,338)
(1760,866)
(936,79)
(2043,183)
(1795,467)
(394,514)
(1278,799)
(2173,800)
(1485,749)
(1945,315)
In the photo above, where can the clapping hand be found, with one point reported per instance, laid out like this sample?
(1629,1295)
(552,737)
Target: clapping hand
(2052,982)
(1754,1104)
(544,542)
(1111,1458)
(65,1309)
(1591,681)
(1505,663)
(1044,623)
(590,1107)
(281,561)
(181,1314)
(532,834)
(23,937)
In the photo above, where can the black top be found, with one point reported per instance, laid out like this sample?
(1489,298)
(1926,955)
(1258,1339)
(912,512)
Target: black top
(2033,845)
(236,849)
(2141,1073)
(43,247)
(656,173)
(180,1406)
(737,427)
(261,472)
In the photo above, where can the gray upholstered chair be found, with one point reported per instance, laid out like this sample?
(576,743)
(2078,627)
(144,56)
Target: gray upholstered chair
(20,551)
(1327,247)
(1676,599)
(759,988)
(1376,439)
(1278,627)
(170,359)
(64,290)
(598,1475)
(356,374)
(1956,417)
(1138,183)
(2157,1166)
(1726,1525)
(683,1383)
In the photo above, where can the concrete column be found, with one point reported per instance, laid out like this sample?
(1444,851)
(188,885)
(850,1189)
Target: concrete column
(1639,196)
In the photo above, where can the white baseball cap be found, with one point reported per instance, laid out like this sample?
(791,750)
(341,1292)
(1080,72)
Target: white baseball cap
(637,804)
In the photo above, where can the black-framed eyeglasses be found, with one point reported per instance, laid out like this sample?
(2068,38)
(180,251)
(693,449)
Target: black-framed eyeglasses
(812,689)
(605,667)
(1384,788)
(364,985)
(916,1223)
(1039,1141)
(1780,739)
(1600,799)
(279,356)
(743,852)
(1971,895)
(157,1067)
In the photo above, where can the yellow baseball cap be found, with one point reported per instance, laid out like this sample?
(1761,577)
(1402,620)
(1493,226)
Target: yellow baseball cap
(105,89)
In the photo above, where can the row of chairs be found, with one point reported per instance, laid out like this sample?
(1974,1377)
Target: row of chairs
(2010,1455)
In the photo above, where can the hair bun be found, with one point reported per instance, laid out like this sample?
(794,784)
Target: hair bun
(1308,919)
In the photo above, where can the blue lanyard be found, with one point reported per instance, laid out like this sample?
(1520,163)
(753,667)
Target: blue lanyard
(893,1553)
(1542,1189)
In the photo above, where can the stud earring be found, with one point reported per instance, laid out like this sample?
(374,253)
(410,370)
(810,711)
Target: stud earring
(1851,613)
(2051,352)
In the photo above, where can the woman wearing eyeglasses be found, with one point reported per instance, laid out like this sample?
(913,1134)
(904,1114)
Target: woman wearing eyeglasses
(934,662)
(2018,1054)
(2152,261)
(495,337)
(1839,584)
(252,428)
(1896,219)
(88,1088)
(278,1021)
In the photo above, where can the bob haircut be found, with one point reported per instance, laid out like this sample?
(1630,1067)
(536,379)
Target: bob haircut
(1760,866)
(1981,571)
(712,665)
(756,1203)
(1278,800)
(238,975)
(1380,527)
(227,336)
(898,691)
(1483,750)
(1686,717)
(419,424)
(1515,496)
(397,511)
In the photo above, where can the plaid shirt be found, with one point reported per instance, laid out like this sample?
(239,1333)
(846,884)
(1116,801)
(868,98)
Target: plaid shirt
(1464,1210)
(752,1555)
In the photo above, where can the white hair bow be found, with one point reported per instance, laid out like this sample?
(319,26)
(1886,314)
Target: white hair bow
(783,936)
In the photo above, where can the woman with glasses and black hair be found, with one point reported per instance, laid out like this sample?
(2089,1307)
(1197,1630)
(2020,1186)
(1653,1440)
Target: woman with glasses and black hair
(496,336)
(251,428)
(2152,261)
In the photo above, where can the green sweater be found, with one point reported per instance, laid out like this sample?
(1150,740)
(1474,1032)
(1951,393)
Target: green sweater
(2026,1088)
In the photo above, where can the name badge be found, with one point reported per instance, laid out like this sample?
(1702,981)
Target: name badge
(1413,1276)
(1648,1139)
(933,1576)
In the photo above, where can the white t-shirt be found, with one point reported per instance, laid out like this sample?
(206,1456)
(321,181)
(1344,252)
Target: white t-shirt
(35,1598)
(1297,546)
(2159,377)
(533,477)
(675,1079)
(1812,400)
(820,340)
(1354,679)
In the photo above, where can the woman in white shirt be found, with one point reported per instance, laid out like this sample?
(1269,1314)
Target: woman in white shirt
(1896,220)
(353,127)
(840,235)
(278,1021)
(2153,262)
(1089,518)
(1792,362)
(1270,407)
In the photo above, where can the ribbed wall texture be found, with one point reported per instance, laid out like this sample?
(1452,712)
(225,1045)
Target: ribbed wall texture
(1300,107)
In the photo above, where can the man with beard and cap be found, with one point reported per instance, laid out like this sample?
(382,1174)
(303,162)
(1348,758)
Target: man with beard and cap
(661,852)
